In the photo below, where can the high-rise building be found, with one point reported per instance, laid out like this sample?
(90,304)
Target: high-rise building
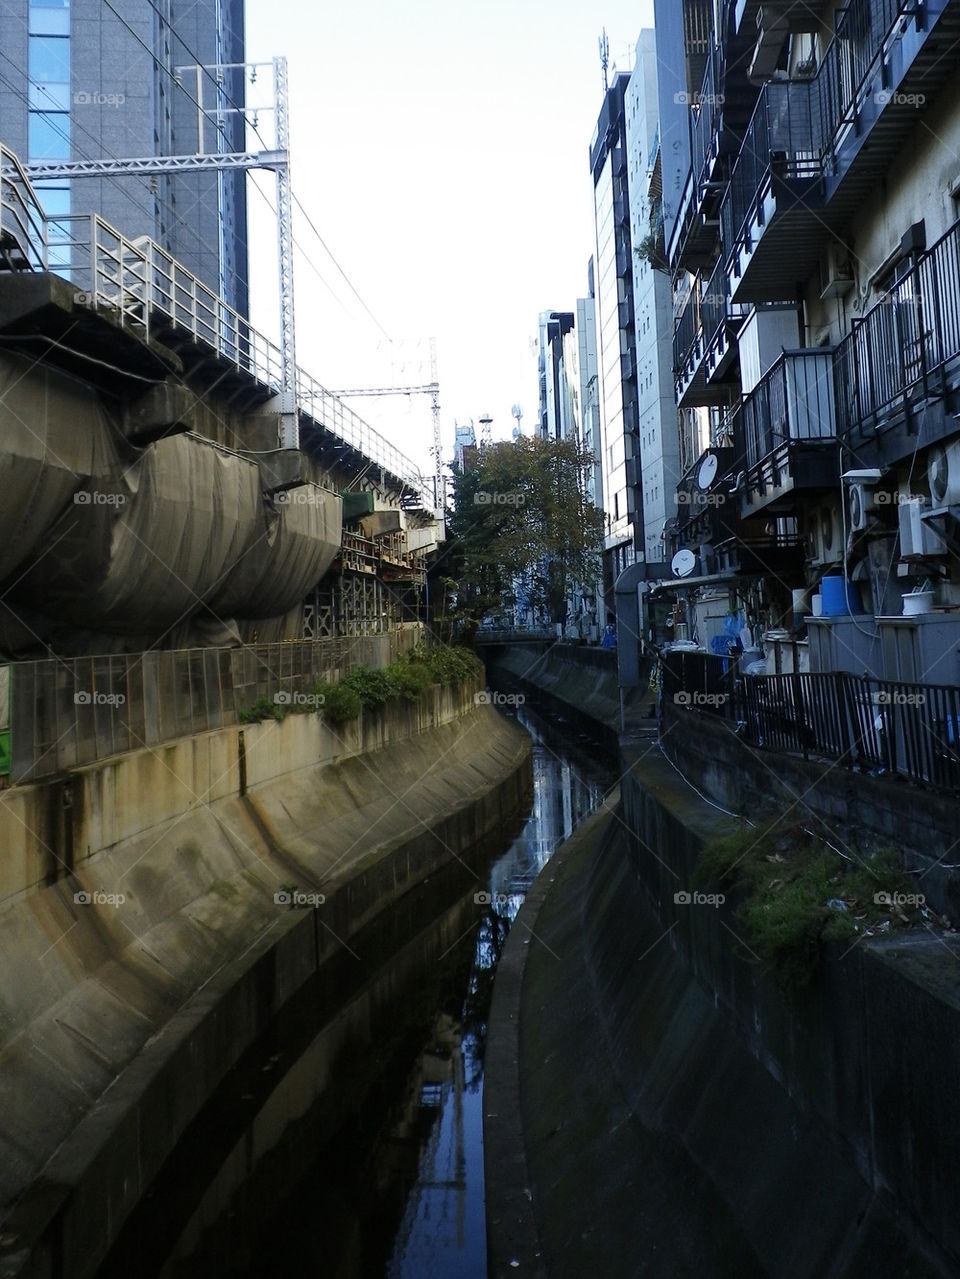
(118,79)
(622,493)
(557,418)
(659,457)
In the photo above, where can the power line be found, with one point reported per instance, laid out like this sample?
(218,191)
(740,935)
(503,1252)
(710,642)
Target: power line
(221,89)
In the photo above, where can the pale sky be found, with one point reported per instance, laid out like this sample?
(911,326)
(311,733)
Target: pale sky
(441,150)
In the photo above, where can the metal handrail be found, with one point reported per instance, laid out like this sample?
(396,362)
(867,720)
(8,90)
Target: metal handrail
(141,281)
(21,213)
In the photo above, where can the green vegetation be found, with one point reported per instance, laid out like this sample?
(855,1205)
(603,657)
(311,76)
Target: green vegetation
(523,527)
(262,708)
(403,680)
(796,892)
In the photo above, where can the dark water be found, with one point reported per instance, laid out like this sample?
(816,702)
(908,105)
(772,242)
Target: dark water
(349,1142)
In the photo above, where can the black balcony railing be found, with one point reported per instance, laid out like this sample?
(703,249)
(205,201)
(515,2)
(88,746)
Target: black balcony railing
(798,126)
(864,29)
(705,114)
(688,329)
(715,302)
(877,726)
(783,139)
(794,401)
(906,346)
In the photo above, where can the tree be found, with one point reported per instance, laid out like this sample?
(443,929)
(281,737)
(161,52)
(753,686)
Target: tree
(521,520)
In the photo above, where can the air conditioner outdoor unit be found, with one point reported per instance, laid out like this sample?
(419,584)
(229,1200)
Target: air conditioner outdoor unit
(836,271)
(917,539)
(943,474)
(859,506)
(825,536)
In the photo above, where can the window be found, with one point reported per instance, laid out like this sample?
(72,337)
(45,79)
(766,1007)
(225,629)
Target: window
(49,135)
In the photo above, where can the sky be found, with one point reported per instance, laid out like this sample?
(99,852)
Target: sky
(440,149)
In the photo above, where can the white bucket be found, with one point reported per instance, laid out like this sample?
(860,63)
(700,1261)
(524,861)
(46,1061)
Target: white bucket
(816,604)
(917,602)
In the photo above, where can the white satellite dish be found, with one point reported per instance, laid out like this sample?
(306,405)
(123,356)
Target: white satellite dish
(708,471)
(683,563)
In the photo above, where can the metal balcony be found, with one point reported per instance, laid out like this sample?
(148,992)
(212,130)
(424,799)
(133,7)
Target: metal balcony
(903,360)
(704,342)
(815,148)
(787,429)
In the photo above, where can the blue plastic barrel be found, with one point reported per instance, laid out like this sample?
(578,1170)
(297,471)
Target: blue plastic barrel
(839,597)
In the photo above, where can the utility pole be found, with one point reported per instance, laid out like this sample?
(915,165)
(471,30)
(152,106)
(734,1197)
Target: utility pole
(277,159)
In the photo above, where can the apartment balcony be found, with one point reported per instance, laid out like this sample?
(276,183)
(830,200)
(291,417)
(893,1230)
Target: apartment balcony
(787,429)
(898,370)
(704,343)
(815,148)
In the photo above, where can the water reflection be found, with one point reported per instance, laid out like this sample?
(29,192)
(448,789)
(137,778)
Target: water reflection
(442,1233)
(349,1143)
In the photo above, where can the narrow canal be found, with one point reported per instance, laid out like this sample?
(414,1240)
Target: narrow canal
(351,1144)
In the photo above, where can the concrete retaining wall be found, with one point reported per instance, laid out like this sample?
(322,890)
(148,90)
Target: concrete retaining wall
(121,1016)
(920,824)
(567,678)
(845,1089)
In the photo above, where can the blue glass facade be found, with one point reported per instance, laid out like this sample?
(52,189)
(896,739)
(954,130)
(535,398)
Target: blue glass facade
(48,121)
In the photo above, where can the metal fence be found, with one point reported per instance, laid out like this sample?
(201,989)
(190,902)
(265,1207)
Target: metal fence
(907,339)
(23,244)
(65,713)
(793,401)
(148,289)
(880,726)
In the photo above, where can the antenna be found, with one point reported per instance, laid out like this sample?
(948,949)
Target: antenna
(485,436)
(604,44)
(517,412)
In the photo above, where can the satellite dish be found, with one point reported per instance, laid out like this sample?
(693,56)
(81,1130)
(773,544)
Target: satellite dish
(683,563)
(708,471)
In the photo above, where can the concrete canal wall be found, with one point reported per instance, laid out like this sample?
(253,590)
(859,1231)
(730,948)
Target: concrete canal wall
(122,1012)
(678,1114)
(567,679)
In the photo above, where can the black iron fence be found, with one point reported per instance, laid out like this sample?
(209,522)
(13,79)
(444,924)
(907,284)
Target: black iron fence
(877,726)
(905,345)
(793,401)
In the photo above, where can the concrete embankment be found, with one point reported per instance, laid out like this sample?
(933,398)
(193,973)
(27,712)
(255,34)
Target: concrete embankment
(567,679)
(677,1115)
(122,1014)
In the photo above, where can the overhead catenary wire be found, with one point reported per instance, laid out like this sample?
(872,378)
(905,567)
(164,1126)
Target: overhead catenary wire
(242,110)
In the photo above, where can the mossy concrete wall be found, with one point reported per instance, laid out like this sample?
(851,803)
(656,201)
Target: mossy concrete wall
(921,825)
(679,1115)
(121,1016)
(568,679)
